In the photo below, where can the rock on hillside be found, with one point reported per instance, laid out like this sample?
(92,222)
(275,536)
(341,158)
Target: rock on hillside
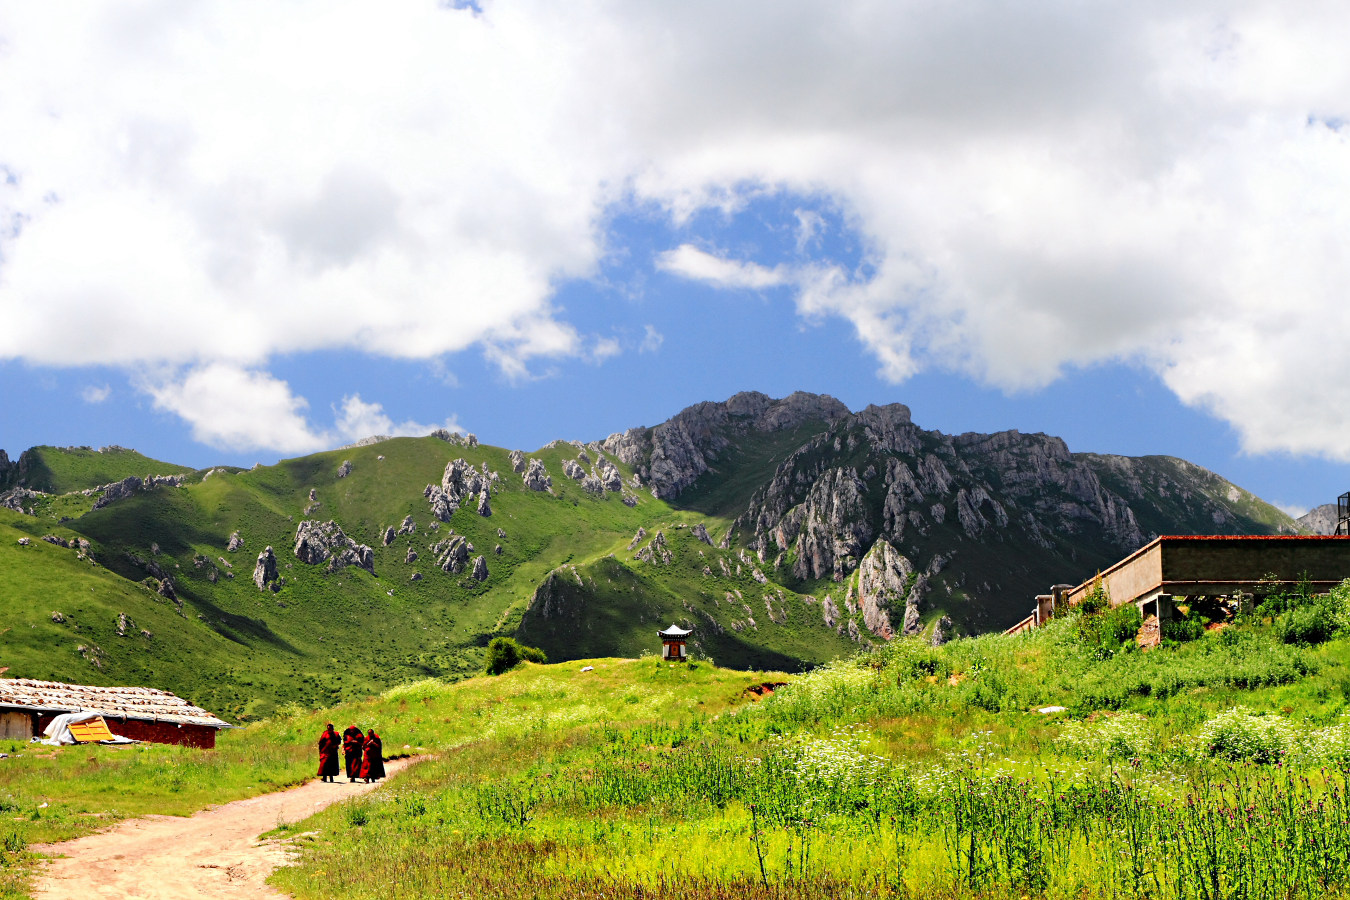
(672,455)
(319,542)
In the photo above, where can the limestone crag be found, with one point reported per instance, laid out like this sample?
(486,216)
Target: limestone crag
(480,569)
(672,455)
(320,542)
(462,480)
(536,476)
(572,470)
(441,507)
(235,543)
(129,486)
(701,532)
(657,552)
(345,469)
(592,485)
(1321,520)
(265,572)
(884,586)
(484,507)
(452,554)
(517,461)
(408,526)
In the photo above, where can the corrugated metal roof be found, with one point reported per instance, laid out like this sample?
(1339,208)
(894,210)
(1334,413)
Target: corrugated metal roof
(119,702)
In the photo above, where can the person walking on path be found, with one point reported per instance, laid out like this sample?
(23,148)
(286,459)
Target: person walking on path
(328,753)
(353,743)
(372,767)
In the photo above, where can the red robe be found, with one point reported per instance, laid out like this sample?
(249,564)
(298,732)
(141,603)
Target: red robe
(353,741)
(328,753)
(373,764)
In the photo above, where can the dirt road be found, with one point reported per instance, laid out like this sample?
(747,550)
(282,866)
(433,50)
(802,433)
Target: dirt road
(215,853)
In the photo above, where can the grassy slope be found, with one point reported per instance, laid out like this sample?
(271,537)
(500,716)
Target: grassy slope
(58,470)
(323,638)
(593,756)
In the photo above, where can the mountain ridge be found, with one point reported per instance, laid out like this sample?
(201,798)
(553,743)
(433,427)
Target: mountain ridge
(785,531)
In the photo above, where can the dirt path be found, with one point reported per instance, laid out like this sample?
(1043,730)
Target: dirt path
(215,853)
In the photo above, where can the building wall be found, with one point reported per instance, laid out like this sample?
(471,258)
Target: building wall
(1133,577)
(198,736)
(16,726)
(1323,559)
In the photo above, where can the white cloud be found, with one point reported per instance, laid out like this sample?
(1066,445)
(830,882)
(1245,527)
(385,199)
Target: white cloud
(1035,187)
(1293,510)
(690,262)
(235,408)
(94,394)
(605,348)
(652,340)
(357,419)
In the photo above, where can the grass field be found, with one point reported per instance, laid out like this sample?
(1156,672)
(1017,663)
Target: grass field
(1214,766)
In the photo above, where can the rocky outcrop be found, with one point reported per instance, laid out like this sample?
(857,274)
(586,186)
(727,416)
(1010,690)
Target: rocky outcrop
(119,490)
(942,632)
(610,477)
(672,455)
(452,554)
(325,542)
(884,587)
(572,470)
(410,556)
(657,552)
(701,533)
(345,469)
(441,507)
(638,537)
(592,485)
(536,476)
(517,461)
(480,569)
(13,499)
(265,572)
(1321,520)
(389,535)
(235,543)
(484,507)
(408,526)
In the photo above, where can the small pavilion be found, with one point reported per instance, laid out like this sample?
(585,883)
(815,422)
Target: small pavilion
(673,643)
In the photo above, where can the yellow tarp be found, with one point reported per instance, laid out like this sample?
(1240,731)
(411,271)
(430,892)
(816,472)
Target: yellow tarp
(90,731)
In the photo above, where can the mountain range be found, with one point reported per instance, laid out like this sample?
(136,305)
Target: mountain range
(785,532)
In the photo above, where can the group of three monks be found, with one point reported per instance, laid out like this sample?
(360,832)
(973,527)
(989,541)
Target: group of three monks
(363,753)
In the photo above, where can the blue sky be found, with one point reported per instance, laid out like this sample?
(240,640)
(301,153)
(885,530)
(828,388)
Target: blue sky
(236,233)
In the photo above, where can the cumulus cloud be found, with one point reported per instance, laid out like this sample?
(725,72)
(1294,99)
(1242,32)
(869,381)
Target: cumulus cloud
(651,340)
(94,394)
(235,408)
(1036,188)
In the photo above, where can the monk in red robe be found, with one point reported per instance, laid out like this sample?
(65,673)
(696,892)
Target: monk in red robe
(372,766)
(353,743)
(328,753)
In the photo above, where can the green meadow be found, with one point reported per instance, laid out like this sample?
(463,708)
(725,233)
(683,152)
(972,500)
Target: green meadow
(1212,766)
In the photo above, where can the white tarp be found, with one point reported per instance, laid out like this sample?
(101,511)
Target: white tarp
(58,732)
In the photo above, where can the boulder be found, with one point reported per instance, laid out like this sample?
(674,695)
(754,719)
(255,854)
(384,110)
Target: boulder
(318,542)
(411,556)
(484,507)
(592,485)
(441,507)
(236,542)
(345,469)
(389,535)
(517,461)
(480,569)
(700,532)
(452,554)
(266,569)
(572,470)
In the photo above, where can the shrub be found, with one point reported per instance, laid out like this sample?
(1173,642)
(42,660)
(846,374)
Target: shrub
(1113,737)
(1242,736)
(504,653)
(1311,624)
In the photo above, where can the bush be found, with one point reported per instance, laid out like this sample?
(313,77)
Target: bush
(1182,629)
(504,654)
(1113,737)
(1307,624)
(1241,736)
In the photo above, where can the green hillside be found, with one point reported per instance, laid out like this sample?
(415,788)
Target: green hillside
(322,637)
(60,470)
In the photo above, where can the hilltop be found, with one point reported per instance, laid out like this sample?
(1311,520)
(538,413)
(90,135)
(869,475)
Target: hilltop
(785,532)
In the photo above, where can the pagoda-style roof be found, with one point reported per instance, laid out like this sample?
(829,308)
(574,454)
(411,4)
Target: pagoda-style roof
(676,631)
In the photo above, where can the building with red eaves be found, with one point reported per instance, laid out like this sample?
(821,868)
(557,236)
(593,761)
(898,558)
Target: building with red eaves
(141,714)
